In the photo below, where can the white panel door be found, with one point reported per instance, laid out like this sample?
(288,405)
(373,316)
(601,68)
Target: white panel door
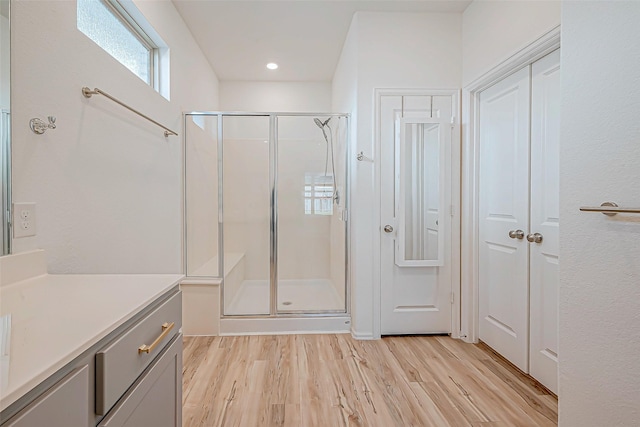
(504,212)
(545,213)
(414,300)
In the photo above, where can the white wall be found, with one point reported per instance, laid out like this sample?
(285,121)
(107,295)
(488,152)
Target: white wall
(300,97)
(600,267)
(344,99)
(107,184)
(344,86)
(393,50)
(493,30)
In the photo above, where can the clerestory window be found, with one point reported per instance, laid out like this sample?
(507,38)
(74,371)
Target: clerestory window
(111,27)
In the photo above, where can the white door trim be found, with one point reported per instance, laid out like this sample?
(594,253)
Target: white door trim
(470,151)
(455,202)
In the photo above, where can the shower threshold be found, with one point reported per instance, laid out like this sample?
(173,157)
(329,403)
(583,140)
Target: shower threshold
(230,326)
(304,306)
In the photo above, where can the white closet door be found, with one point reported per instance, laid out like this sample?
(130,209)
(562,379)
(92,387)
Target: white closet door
(504,208)
(545,138)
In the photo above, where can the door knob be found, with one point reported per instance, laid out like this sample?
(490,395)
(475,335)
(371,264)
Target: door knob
(516,234)
(534,238)
(388,229)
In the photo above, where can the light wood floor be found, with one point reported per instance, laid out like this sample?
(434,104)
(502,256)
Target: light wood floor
(334,380)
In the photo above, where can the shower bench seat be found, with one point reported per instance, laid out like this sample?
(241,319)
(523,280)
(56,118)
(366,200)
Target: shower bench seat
(201,294)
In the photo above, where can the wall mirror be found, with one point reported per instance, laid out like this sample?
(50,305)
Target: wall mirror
(420,157)
(5,126)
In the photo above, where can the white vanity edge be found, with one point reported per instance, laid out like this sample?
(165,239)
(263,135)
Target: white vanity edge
(116,310)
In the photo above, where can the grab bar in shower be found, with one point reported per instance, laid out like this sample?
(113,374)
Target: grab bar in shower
(88,93)
(610,209)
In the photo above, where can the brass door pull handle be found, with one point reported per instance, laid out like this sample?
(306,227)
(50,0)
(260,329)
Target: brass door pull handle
(166,328)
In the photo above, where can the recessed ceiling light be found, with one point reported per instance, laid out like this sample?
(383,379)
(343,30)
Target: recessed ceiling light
(272,65)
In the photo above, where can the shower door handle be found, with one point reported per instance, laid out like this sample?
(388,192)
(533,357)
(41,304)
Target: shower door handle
(388,229)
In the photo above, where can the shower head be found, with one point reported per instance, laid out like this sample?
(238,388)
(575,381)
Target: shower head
(320,123)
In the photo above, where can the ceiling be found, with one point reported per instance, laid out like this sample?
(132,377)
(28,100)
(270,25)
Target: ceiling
(304,37)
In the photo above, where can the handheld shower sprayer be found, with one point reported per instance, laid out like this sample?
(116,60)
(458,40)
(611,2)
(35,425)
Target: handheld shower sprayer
(322,125)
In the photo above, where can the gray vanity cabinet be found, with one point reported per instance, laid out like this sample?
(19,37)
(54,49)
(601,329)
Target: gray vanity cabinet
(155,400)
(63,405)
(120,362)
(131,378)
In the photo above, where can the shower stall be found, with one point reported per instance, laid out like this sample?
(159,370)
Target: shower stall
(266,203)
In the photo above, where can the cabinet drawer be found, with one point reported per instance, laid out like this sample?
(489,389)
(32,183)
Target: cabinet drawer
(66,404)
(121,362)
(155,400)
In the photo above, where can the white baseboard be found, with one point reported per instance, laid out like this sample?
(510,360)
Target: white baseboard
(285,326)
(360,336)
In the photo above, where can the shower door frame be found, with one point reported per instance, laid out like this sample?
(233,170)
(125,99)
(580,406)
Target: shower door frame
(273,197)
(5,175)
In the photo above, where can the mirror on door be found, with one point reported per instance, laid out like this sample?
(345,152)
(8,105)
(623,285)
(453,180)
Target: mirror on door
(5,132)
(419,183)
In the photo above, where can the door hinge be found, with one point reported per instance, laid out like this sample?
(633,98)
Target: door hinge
(453,298)
(451,210)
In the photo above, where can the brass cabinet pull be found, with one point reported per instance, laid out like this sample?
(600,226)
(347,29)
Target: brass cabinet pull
(166,328)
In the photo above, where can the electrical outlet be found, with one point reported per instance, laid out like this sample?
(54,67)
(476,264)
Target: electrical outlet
(24,220)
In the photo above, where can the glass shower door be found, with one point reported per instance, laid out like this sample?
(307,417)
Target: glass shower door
(311,227)
(246,181)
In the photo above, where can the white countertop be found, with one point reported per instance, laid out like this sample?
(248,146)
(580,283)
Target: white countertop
(55,318)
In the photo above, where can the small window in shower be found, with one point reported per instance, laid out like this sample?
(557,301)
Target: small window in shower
(114,29)
(318,194)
